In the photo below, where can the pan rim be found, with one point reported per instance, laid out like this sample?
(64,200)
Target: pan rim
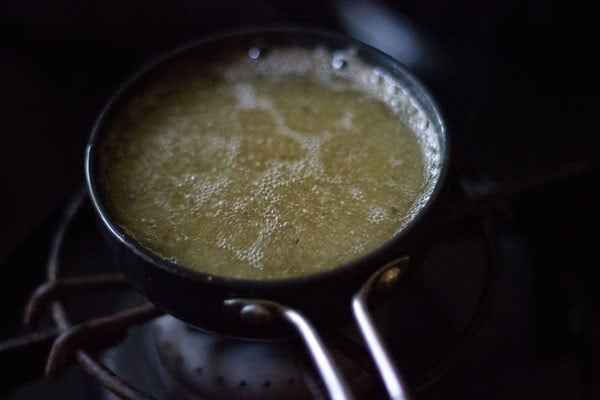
(317,36)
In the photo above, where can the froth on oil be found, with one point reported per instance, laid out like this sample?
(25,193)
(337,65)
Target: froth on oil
(266,165)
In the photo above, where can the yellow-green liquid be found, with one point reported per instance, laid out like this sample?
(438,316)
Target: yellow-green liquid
(257,176)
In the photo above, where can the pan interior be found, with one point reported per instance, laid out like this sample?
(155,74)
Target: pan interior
(273,164)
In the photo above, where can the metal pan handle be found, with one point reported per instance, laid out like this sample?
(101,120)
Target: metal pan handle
(257,311)
(383,279)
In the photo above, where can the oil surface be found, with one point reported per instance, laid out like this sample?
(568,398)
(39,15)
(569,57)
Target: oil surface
(241,172)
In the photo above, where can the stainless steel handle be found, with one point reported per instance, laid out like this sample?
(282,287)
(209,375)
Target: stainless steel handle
(256,311)
(383,278)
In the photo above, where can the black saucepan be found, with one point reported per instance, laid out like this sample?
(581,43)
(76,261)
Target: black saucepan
(199,298)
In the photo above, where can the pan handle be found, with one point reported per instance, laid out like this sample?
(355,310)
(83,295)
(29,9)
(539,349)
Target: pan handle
(383,279)
(258,311)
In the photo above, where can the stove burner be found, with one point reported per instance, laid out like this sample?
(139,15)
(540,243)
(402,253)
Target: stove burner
(183,362)
(186,363)
(217,367)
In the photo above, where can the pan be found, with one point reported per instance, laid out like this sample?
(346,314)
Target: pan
(271,308)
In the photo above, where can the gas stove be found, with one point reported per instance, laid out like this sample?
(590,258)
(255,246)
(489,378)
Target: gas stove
(504,305)
(131,348)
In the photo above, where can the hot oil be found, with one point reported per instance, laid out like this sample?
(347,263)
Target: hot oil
(262,168)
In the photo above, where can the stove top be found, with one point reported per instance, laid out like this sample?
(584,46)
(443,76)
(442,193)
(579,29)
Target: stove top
(448,302)
(517,84)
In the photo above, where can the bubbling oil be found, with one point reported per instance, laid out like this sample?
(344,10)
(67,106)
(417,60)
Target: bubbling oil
(266,167)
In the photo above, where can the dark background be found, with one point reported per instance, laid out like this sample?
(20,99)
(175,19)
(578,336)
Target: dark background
(516,80)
